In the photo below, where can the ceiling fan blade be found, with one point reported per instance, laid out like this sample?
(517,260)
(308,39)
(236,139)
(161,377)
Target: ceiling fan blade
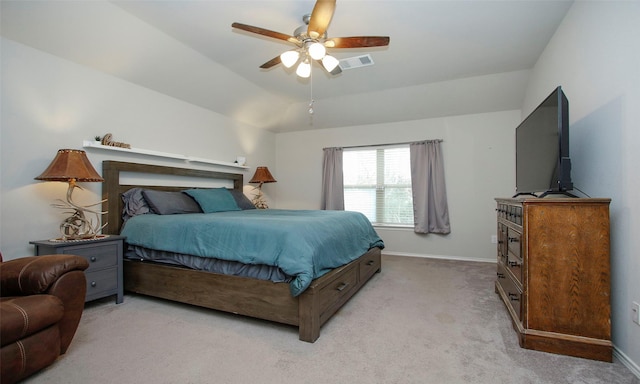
(264,32)
(321,17)
(357,42)
(271,63)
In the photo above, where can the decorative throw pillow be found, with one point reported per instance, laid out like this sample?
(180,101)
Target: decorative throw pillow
(170,203)
(242,200)
(214,199)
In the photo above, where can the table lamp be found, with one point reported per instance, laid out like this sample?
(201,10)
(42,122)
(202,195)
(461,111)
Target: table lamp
(71,166)
(261,176)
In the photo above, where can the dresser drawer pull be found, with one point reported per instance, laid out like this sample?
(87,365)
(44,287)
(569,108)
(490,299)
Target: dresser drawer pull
(370,262)
(93,259)
(514,264)
(93,283)
(513,297)
(500,275)
(513,240)
(342,286)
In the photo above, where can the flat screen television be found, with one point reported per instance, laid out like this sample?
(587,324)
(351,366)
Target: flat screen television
(543,165)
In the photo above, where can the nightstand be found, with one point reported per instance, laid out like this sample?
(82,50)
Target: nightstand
(104,275)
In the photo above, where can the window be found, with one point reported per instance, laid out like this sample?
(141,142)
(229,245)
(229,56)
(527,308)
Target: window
(377,182)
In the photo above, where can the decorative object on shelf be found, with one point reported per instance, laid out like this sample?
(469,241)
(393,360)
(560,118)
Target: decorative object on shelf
(71,166)
(261,176)
(106,140)
(241,160)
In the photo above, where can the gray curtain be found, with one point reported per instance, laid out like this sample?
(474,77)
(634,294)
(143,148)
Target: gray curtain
(430,208)
(332,180)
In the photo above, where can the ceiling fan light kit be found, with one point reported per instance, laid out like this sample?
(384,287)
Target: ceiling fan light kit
(289,58)
(304,69)
(330,63)
(312,41)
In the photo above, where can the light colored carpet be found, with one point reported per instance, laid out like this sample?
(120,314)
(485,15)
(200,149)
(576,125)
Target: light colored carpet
(418,321)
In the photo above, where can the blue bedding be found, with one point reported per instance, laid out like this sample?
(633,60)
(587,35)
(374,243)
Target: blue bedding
(305,244)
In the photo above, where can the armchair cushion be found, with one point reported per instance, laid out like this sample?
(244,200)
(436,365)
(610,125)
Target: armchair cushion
(24,316)
(34,275)
(41,302)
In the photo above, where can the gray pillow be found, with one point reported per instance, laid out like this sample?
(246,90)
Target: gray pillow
(242,200)
(170,203)
(134,204)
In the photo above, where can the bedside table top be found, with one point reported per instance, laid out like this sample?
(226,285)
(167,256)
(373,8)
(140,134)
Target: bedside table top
(60,243)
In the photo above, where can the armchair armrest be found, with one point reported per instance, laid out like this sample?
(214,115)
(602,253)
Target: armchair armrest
(36,274)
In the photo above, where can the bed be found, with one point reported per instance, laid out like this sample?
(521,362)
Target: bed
(316,302)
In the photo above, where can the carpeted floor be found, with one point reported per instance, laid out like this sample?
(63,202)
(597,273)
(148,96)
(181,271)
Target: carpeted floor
(418,321)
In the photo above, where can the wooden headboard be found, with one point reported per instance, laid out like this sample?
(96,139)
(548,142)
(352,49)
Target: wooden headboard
(112,189)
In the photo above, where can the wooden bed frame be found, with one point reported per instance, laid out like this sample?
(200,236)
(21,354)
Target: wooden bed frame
(240,295)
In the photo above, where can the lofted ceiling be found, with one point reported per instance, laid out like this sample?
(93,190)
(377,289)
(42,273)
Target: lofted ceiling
(444,58)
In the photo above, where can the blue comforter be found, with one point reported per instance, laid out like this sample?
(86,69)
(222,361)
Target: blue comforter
(305,244)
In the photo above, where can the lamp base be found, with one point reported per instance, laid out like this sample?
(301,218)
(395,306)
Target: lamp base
(258,199)
(77,226)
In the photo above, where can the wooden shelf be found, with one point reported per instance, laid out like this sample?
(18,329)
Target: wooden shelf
(190,159)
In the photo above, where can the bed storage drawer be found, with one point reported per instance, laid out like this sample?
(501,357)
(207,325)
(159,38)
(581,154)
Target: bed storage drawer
(337,291)
(370,264)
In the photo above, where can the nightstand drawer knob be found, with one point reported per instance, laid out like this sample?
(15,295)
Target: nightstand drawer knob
(93,259)
(93,283)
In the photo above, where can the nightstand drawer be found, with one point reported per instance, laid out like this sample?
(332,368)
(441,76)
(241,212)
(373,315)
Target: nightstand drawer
(100,282)
(100,257)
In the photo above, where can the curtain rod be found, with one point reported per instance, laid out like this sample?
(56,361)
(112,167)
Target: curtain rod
(390,144)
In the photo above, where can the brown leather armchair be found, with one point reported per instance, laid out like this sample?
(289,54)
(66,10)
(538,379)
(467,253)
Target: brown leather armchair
(41,302)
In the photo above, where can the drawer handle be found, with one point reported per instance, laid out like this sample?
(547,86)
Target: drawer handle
(513,297)
(500,275)
(93,283)
(370,262)
(93,259)
(342,286)
(513,239)
(514,264)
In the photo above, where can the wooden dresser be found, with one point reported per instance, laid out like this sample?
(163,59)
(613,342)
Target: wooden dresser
(553,273)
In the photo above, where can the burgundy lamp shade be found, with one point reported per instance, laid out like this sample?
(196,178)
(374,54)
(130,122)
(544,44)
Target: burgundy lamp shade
(70,164)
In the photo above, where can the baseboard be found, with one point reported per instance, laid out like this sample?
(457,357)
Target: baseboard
(442,257)
(626,361)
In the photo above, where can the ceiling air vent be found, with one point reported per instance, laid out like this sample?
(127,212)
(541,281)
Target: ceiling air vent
(356,62)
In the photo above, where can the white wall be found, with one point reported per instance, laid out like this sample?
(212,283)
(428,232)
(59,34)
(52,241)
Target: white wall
(595,56)
(49,103)
(479,155)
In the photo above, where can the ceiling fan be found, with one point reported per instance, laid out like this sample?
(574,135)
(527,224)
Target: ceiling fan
(312,41)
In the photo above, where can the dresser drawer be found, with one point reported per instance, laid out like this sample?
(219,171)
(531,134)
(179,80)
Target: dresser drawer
(512,291)
(101,282)
(514,265)
(514,241)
